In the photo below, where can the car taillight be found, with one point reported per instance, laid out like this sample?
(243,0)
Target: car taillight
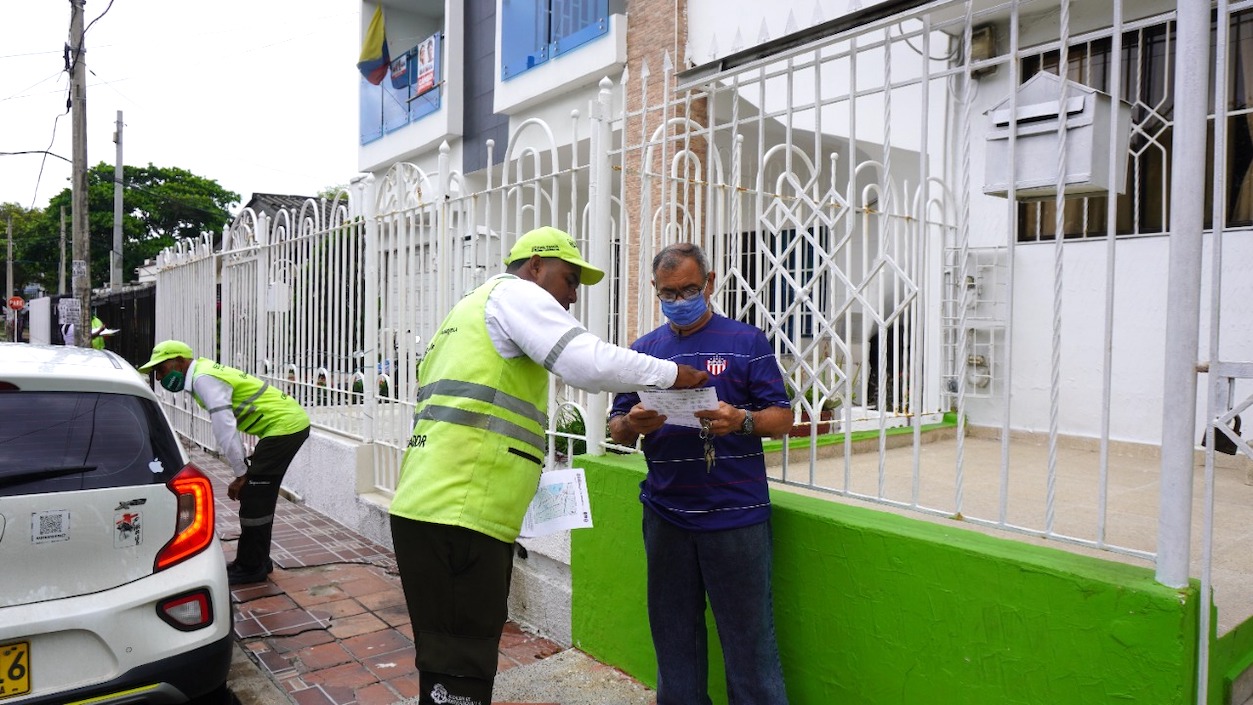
(194,530)
(187,612)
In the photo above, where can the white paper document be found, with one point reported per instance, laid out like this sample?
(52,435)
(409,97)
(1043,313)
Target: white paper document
(559,504)
(679,406)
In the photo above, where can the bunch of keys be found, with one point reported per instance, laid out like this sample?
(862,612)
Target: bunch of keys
(706,435)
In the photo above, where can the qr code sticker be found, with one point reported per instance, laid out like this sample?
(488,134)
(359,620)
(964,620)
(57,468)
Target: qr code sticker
(49,527)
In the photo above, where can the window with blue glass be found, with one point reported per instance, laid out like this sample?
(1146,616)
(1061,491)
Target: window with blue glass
(533,31)
(411,91)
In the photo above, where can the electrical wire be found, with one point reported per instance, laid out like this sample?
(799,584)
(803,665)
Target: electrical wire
(20,93)
(34,151)
(43,162)
(102,14)
(69,68)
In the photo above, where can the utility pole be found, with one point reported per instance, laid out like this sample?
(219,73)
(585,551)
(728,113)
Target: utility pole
(61,278)
(10,314)
(115,257)
(80,272)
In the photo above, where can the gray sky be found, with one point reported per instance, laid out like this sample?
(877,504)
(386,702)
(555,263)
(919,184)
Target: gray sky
(260,96)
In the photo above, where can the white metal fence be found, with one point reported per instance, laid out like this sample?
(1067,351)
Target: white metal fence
(834,186)
(846,192)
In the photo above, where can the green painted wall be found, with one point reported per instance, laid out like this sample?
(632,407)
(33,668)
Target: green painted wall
(1230,656)
(876,608)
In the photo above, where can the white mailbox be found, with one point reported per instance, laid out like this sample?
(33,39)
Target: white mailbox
(1038,112)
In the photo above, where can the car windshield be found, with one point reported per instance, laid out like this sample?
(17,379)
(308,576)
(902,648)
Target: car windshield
(62,441)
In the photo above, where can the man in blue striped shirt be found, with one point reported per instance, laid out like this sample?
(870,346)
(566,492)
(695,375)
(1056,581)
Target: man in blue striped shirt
(706,501)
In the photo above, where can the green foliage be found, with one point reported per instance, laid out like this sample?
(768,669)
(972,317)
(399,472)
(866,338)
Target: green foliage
(160,206)
(330,192)
(570,421)
(28,230)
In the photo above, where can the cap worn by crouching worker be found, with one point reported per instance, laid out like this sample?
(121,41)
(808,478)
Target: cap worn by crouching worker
(551,242)
(166,350)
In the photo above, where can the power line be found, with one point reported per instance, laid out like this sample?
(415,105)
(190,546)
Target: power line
(43,162)
(34,151)
(42,80)
(33,53)
(82,38)
(102,14)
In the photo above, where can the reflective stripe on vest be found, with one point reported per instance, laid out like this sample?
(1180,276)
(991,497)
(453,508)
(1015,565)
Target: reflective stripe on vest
(495,424)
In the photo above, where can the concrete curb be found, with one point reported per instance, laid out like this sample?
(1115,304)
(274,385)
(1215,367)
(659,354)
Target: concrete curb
(570,678)
(249,684)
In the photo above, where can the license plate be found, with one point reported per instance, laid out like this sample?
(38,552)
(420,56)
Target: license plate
(14,669)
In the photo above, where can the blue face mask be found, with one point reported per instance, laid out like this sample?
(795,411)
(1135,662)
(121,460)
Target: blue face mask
(173,381)
(684,312)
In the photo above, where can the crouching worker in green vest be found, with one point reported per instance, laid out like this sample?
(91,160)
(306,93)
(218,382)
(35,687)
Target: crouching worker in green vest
(478,447)
(239,402)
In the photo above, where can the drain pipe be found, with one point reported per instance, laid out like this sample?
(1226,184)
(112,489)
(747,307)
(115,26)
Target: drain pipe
(1183,309)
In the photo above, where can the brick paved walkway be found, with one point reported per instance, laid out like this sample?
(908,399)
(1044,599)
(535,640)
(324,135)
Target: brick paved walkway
(330,625)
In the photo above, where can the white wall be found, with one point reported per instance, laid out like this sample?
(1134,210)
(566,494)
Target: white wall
(39,325)
(717,28)
(1139,314)
(333,475)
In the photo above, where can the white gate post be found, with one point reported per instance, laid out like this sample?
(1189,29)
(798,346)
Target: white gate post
(367,194)
(261,345)
(225,288)
(445,252)
(600,232)
(1187,219)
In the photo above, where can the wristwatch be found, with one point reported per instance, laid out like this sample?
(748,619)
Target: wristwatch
(746,429)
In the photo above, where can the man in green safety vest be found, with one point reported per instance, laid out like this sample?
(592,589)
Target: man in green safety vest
(478,447)
(98,333)
(239,402)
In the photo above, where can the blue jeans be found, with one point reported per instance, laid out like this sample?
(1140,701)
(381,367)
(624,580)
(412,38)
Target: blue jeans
(733,568)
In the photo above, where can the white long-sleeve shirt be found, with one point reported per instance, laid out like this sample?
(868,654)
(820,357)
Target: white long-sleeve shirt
(524,319)
(215,395)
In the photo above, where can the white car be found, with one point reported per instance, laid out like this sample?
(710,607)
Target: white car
(112,581)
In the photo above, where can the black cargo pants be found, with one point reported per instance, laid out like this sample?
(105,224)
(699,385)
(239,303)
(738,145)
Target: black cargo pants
(268,464)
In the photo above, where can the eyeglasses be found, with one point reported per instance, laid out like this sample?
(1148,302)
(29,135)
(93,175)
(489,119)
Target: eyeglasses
(687,294)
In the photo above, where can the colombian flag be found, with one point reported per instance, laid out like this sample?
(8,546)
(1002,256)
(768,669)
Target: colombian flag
(375,58)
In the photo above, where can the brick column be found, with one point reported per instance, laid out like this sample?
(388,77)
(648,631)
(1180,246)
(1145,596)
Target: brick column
(654,27)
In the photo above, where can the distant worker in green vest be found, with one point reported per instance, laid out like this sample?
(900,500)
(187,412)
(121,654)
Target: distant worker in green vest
(98,333)
(239,402)
(478,447)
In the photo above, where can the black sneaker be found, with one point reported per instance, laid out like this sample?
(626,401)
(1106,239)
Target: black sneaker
(269,567)
(236,575)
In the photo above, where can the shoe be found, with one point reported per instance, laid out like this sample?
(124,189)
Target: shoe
(269,566)
(242,576)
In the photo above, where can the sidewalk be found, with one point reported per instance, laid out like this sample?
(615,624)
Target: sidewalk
(330,626)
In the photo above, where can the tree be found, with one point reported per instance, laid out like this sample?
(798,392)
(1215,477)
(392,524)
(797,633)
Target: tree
(26,224)
(330,192)
(161,205)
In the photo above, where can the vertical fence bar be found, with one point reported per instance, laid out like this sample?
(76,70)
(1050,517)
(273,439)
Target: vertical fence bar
(1187,218)
(600,230)
(367,195)
(1219,220)
(1117,160)
(445,252)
